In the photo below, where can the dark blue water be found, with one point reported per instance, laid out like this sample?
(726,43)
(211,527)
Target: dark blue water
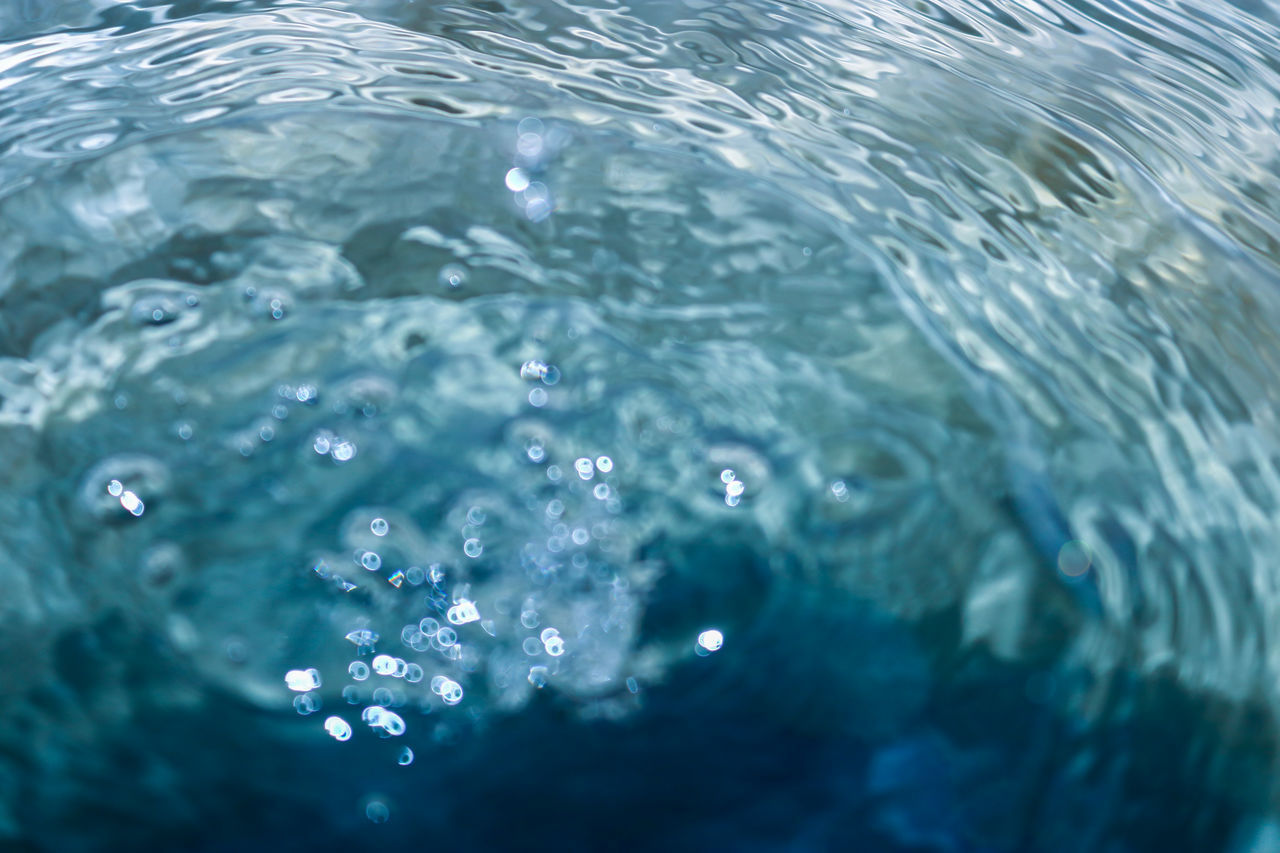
(678,426)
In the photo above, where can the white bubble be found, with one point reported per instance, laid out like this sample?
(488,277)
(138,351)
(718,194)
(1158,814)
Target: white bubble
(735,488)
(581,536)
(711,640)
(343,451)
(601,492)
(453,276)
(321,444)
(727,476)
(437,683)
(554,646)
(338,728)
(548,633)
(302,680)
(132,503)
(538,397)
(114,488)
(384,664)
(538,676)
(516,180)
(391,723)
(447,637)
(472,548)
(586,470)
(406,757)
(463,612)
(413,673)
(371,561)
(451,692)
(306,703)
(840,491)
(358,670)
(604,464)
(533,369)
(379,527)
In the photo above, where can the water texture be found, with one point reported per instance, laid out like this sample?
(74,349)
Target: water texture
(682,425)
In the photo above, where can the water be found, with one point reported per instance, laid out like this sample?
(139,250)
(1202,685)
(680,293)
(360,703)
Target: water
(751,425)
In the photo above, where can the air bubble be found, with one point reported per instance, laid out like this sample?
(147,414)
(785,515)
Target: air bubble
(453,276)
(472,548)
(377,812)
(306,703)
(379,527)
(532,647)
(429,626)
(358,670)
(538,676)
(533,370)
(516,180)
(538,397)
(548,633)
(604,464)
(343,451)
(371,561)
(554,646)
(338,728)
(585,468)
(463,612)
(601,492)
(447,637)
(384,664)
(406,757)
(302,680)
(711,640)
(727,476)
(114,488)
(413,673)
(451,692)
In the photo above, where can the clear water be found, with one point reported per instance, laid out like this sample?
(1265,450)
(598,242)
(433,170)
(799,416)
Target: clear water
(681,425)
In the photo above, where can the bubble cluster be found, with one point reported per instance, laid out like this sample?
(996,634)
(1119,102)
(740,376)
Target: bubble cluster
(463,612)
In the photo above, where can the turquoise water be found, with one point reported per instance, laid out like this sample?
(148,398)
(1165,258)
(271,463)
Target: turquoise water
(679,425)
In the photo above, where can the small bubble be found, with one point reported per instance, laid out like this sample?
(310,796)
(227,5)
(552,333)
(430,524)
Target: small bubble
(529,618)
(383,696)
(280,412)
(840,491)
(338,728)
(633,685)
(114,488)
(586,470)
(371,561)
(415,575)
(548,633)
(266,433)
(352,694)
(358,670)
(379,527)
(384,664)
(581,536)
(132,503)
(533,369)
(551,375)
(343,451)
(472,548)
(711,640)
(377,812)
(453,276)
(554,646)
(463,612)
(535,452)
(604,464)
(451,692)
(538,397)
(727,476)
(302,680)
(406,757)
(555,508)
(735,488)
(321,444)
(305,393)
(184,431)
(601,492)
(413,673)
(306,703)
(429,626)
(1074,559)
(554,473)
(531,646)
(538,676)
(516,180)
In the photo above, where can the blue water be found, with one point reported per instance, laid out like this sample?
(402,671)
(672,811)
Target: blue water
(560,425)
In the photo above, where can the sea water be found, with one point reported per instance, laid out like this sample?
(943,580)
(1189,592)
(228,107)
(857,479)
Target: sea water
(572,424)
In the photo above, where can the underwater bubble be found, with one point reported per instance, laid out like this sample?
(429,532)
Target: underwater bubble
(302,680)
(358,670)
(306,703)
(379,527)
(383,696)
(384,664)
(840,490)
(581,536)
(711,640)
(453,276)
(538,676)
(338,728)
(463,612)
(406,757)
(472,548)
(415,575)
(352,694)
(516,180)
(554,646)
(548,633)
(585,468)
(321,444)
(633,685)
(429,626)
(377,812)
(533,369)
(727,476)
(529,618)
(437,683)
(371,561)
(531,646)
(551,375)
(343,451)
(555,508)
(538,397)
(447,637)
(413,673)
(735,488)
(535,451)
(476,516)
(132,503)
(1074,558)
(363,638)
(114,488)
(373,715)
(604,464)
(451,692)
(392,723)
(554,473)
(601,492)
